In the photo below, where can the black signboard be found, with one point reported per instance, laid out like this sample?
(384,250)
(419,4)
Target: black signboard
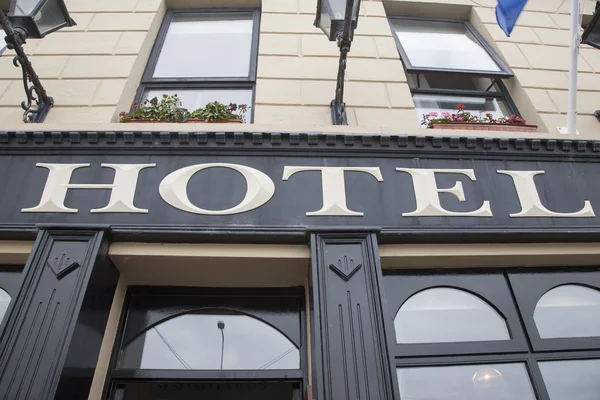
(402,184)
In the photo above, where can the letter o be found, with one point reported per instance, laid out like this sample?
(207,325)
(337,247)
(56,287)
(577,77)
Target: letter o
(173,189)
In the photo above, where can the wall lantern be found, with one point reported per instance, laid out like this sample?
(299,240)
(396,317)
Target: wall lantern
(33,19)
(591,36)
(338,19)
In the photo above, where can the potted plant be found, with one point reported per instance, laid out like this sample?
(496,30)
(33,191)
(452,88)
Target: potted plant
(170,109)
(464,120)
(219,112)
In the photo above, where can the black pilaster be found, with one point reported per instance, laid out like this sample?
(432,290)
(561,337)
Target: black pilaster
(350,352)
(50,346)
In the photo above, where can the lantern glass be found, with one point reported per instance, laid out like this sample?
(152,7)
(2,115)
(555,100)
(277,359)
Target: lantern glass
(24,7)
(50,17)
(591,35)
(332,15)
(39,17)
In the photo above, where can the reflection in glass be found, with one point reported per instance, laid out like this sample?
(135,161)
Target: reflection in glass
(4,303)
(572,380)
(211,341)
(466,382)
(568,311)
(196,98)
(448,315)
(479,106)
(443,45)
(206,46)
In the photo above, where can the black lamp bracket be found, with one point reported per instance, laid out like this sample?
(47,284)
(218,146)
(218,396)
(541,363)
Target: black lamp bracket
(38,103)
(344,41)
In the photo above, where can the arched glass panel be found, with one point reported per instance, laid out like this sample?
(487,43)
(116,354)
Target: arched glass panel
(568,311)
(442,315)
(4,302)
(211,341)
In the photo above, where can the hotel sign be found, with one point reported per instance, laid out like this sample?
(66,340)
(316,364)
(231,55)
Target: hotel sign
(297,191)
(260,189)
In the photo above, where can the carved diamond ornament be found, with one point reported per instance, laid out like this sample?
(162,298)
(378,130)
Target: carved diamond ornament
(63,264)
(345,269)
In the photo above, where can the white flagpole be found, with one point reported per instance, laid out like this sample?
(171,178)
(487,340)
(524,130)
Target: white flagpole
(574,53)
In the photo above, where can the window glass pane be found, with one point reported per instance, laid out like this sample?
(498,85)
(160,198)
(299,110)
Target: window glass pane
(448,315)
(4,303)
(572,380)
(443,45)
(466,382)
(479,106)
(211,341)
(451,81)
(206,46)
(193,99)
(568,311)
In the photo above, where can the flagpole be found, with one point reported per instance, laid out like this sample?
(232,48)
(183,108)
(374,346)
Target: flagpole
(574,54)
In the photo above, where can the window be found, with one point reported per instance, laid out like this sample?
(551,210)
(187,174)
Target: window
(10,282)
(203,57)
(2,42)
(251,344)
(505,335)
(448,63)
(448,315)
(4,303)
(212,344)
(568,311)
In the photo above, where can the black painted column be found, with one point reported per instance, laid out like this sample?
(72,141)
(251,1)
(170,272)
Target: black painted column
(50,346)
(349,342)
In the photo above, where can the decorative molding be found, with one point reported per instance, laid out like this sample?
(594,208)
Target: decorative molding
(62,265)
(52,319)
(297,234)
(349,343)
(345,269)
(299,140)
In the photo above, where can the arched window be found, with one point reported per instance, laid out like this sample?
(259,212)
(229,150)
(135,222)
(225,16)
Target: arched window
(211,341)
(568,311)
(4,302)
(442,315)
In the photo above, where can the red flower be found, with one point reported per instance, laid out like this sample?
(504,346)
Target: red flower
(460,107)
(134,105)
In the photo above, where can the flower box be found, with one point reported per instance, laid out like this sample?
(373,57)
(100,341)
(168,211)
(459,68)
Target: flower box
(218,121)
(479,126)
(189,121)
(169,109)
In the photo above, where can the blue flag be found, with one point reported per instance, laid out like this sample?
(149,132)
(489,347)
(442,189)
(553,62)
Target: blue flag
(507,12)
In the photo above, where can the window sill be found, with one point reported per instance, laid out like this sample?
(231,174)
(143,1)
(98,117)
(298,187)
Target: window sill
(468,126)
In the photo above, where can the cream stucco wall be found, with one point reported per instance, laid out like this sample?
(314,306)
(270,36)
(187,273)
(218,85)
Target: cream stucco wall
(92,70)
